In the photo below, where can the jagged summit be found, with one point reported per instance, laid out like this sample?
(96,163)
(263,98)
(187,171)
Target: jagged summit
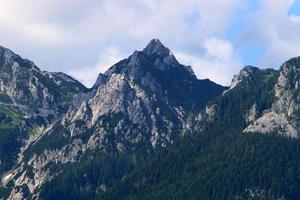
(7,57)
(155,47)
(293,62)
(244,73)
(6,54)
(141,104)
(250,68)
(53,129)
(155,56)
(2,48)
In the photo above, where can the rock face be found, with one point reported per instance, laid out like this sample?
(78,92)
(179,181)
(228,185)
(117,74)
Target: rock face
(150,87)
(141,104)
(30,101)
(243,74)
(284,116)
(34,91)
(137,107)
(265,101)
(151,90)
(272,122)
(250,95)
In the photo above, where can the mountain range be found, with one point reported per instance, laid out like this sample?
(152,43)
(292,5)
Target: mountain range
(148,129)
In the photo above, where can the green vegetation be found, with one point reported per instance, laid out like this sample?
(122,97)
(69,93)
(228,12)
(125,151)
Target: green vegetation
(48,82)
(82,180)
(4,98)
(232,107)
(9,118)
(9,134)
(9,147)
(202,166)
(65,97)
(216,166)
(79,122)
(221,163)
(56,139)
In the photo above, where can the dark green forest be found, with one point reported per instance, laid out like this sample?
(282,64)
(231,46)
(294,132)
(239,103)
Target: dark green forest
(220,162)
(214,166)
(204,166)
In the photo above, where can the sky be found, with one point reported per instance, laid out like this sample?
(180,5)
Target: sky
(217,37)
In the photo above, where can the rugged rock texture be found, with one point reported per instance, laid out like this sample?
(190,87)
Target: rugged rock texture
(141,104)
(30,101)
(35,92)
(137,107)
(266,101)
(149,91)
(250,95)
(245,73)
(284,116)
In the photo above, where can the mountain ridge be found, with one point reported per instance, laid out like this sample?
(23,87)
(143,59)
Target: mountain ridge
(138,108)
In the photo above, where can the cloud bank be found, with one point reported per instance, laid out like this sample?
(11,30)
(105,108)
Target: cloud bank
(85,37)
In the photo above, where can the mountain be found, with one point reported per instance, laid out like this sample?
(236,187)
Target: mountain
(246,146)
(148,129)
(212,165)
(29,100)
(250,95)
(268,101)
(35,92)
(284,116)
(139,106)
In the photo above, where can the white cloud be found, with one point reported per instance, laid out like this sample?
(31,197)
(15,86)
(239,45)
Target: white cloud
(45,33)
(219,49)
(276,30)
(219,63)
(87,75)
(58,34)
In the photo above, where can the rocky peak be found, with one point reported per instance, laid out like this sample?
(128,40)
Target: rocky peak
(159,54)
(144,74)
(153,59)
(284,116)
(287,91)
(6,53)
(244,73)
(288,80)
(138,58)
(100,80)
(292,62)
(33,91)
(155,47)
(63,76)
(290,71)
(148,73)
(140,104)
(7,58)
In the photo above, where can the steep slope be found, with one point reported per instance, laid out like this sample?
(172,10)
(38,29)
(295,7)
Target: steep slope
(30,100)
(263,101)
(139,106)
(216,166)
(250,95)
(284,115)
(149,88)
(230,158)
(127,137)
(35,92)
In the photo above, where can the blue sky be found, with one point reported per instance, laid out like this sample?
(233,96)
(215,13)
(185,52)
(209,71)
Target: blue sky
(217,37)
